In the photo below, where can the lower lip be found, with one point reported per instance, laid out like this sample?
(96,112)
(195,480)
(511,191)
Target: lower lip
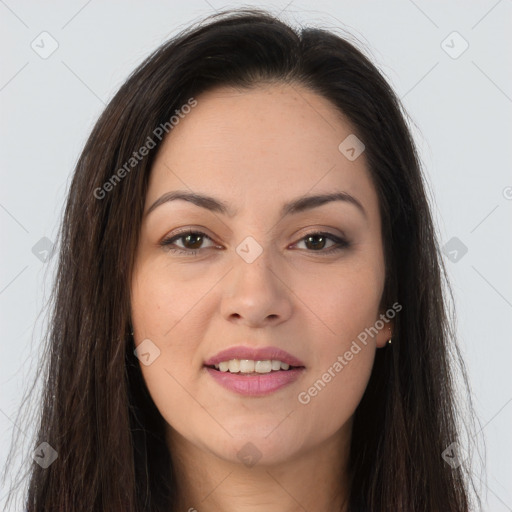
(257,384)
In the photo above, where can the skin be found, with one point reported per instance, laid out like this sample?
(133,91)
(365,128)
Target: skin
(255,150)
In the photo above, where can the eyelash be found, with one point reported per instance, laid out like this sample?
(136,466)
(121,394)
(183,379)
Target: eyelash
(167,242)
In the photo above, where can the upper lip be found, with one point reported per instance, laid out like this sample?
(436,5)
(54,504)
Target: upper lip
(255,354)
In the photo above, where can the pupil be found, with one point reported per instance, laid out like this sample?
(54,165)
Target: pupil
(312,237)
(188,237)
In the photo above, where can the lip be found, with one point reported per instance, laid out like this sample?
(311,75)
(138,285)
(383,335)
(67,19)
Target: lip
(255,354)
(255,385)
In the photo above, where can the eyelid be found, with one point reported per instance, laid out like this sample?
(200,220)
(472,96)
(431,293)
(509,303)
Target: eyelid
(168,240)
(340,242)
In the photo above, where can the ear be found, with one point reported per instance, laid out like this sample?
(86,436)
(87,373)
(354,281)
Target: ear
(385,333)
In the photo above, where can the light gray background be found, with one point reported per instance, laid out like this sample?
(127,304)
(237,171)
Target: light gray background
(461,108)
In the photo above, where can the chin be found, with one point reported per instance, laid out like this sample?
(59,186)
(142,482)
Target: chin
(253,445)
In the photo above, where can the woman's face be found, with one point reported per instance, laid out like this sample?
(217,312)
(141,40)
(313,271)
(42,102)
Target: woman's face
(251,276)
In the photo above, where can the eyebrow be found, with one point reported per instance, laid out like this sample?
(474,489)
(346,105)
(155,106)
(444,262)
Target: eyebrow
(295,206)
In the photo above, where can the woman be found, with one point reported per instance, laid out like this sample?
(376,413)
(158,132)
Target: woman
(249,311)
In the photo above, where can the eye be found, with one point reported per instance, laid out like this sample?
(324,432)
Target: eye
(317,240)
(192,241)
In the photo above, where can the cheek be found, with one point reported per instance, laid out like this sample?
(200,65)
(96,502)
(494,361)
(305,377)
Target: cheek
(348,306)
(171,380)
(173,309)
(332,396)
(343,303)
(164,296)
(343,365)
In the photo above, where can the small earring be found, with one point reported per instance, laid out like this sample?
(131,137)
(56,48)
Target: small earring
(390,336)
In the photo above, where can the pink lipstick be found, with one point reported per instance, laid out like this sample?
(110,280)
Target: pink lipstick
(254,372)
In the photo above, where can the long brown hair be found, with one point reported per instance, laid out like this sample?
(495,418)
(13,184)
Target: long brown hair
(96,411)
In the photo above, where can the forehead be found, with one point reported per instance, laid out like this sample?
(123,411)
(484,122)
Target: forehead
(258,146)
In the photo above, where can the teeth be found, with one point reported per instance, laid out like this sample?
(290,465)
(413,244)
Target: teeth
(234,366)
(263,366)
(246,366)
(250,366)
(276,365)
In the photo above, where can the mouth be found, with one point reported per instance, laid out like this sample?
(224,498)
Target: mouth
(254,372)
(255,384)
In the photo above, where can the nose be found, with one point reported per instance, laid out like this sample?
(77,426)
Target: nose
(256,294)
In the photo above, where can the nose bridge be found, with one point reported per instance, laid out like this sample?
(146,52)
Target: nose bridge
(255,263)
(255,290)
